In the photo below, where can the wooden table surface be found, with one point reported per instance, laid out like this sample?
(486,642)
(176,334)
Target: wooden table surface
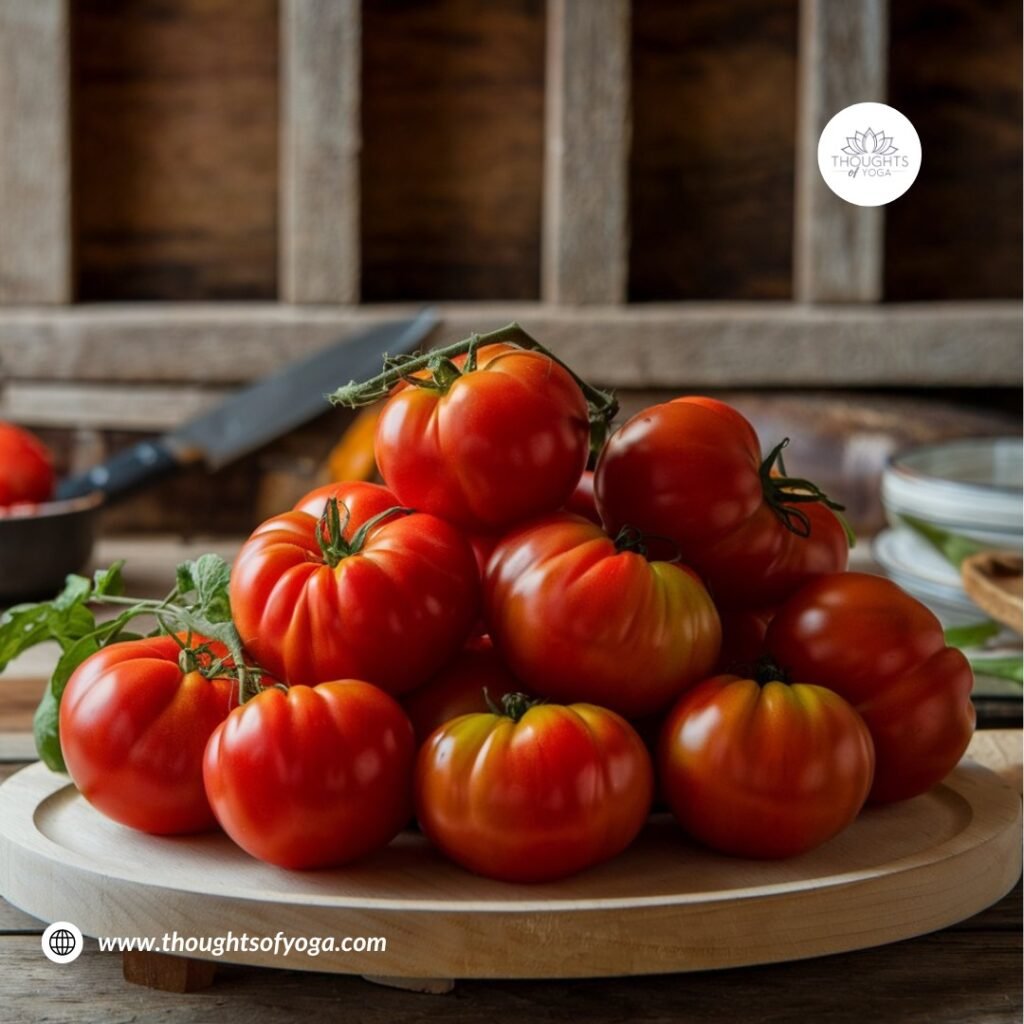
(970,972)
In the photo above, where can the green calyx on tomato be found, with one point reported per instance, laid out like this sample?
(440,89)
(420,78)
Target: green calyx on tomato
(443,372)
(511,705)
(767,671)
(629,538)
(783,494)
(330,532)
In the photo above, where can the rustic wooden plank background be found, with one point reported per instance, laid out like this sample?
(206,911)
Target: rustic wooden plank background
(587,107)
(453,96)
(320,139)
(35,165)
(711,173)
(175,125)
(838,247)
(955,71)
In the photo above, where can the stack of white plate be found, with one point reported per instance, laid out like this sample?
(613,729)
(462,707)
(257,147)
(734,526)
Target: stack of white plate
(971,488)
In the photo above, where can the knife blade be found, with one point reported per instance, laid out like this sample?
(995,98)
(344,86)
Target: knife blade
(256,414)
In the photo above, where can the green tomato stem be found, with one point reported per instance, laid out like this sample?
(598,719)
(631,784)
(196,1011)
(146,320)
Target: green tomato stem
(602,405)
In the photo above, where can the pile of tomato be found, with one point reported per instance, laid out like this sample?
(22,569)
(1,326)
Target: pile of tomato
(525,656)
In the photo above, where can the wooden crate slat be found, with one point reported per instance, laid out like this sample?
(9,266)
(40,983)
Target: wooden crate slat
(585,225)
(35,172)
(686,345)
(320,141)
(838,247)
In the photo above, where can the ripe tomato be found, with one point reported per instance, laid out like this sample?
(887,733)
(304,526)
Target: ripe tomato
(534,794)
(578,616)
(389,602)
(363,501)
(26,467)
(768,770)
(458,688)
(489,447)
(582,501)
(691,471)
(133,726)
(885,652)
(743,632)
(312,776)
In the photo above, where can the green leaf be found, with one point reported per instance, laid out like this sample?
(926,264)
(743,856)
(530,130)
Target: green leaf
(1000,668)
(69,625)
(109,581)
(76,590)
(22,627)
(46,730)
(951,546)
(207,578)
(973,635)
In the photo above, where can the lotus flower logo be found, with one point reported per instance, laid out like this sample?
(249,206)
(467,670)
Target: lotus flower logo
(866,144)
(869,143)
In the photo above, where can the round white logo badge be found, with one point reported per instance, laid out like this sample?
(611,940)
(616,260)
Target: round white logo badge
(869,154)
(62,942)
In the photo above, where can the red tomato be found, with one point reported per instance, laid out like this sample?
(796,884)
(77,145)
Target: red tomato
(691,471)
(582,501)
(490,447)
(766,770)
(578,616)
(363,500)
(391,606)
(313,776)
(458,688)
(885,652)
(133,726)
(743,632)
(26,467)
(536,794)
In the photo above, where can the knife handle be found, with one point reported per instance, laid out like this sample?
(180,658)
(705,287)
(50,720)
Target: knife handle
(123,473)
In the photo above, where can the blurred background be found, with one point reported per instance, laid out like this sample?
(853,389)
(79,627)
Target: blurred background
(193,192)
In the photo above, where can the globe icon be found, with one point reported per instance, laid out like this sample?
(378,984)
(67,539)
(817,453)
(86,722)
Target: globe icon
(62,942)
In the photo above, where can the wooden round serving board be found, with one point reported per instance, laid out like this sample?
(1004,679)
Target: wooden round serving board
(665,905)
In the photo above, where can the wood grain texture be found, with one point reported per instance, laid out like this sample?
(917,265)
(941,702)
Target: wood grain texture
(167,973)
(453,94)
(144,407)
(320,139)
(711,171)
(663,905)
(955,71)
(994,580)
(1001,751)
(703,345)
(587,108)
(176,139)
(948,978)
(35,150)
(838,247)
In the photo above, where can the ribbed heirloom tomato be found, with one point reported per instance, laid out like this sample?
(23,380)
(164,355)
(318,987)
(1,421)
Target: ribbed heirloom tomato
(885,652)
(579,616)
(691,470)
(134,721)
(312,776)
(764,769)
(489,446)
(389,599)
(536,793)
